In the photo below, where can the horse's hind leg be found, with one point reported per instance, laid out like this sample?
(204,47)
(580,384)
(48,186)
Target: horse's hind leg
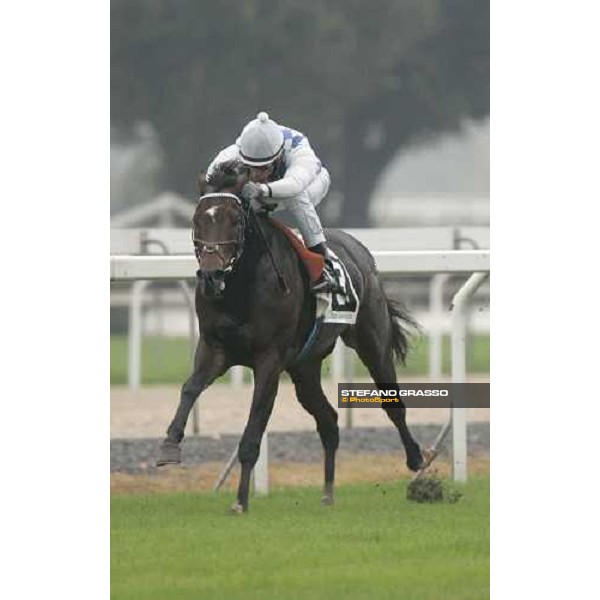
(307,380)
(371,339)
(209,363)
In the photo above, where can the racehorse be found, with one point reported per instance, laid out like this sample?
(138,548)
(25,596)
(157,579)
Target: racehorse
(255,309)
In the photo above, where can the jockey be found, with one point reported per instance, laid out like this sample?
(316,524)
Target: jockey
(284,170)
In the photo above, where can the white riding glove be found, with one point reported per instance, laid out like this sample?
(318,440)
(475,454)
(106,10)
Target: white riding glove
(256,194)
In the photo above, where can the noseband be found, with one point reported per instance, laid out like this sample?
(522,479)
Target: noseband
(203,247)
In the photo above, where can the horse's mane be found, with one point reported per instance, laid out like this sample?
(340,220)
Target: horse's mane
(226,175)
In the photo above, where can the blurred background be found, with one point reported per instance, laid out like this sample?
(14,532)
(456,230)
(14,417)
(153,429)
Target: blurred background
(393,96)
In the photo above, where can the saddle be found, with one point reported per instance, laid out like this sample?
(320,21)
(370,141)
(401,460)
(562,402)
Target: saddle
(313,262)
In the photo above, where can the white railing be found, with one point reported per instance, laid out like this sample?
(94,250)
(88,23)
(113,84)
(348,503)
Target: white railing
(473,262)
(130,267)
(176,243)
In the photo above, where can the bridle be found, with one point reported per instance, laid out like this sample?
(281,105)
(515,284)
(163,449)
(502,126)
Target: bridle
(204,247)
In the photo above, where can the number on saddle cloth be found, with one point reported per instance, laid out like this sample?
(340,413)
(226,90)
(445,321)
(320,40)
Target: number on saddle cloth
(340,301)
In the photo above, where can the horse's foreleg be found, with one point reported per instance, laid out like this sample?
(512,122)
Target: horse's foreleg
(266,381)
(208,365)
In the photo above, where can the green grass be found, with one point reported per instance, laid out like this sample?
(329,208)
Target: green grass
(372,544)
(167,360)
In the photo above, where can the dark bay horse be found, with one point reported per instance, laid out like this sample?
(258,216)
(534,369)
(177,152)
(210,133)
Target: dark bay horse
(256,310)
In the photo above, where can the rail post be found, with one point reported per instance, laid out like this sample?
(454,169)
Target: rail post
(436,309)
(459,372)
(135,334)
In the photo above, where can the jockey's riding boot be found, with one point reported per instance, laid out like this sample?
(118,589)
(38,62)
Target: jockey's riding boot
(325,283)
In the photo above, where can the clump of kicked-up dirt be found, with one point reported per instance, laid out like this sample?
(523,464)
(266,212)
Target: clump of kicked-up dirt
(431,488)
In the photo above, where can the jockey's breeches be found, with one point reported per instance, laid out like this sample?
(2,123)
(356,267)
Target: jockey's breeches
(303,206)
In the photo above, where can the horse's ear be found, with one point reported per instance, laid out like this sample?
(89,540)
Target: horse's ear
(202,183)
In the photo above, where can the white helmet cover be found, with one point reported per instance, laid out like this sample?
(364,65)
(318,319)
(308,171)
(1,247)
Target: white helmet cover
(261,141)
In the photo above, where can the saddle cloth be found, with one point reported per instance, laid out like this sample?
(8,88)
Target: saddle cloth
(339,307)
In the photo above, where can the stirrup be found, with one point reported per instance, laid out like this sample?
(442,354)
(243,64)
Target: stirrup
(325,284)
(322,286)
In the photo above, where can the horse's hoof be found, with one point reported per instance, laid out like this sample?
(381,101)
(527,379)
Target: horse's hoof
(169,454)
(418,461)
(415,465)
(327,500)
(237,509)
(429,455)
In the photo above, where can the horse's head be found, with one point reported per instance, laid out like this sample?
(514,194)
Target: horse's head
(218,227)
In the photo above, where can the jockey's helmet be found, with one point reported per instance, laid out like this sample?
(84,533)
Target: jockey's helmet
(261,141)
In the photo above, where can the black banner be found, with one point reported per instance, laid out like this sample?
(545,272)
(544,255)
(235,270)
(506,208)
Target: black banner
(414,395)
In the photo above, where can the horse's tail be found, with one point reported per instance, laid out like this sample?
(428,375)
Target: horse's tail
(403,328)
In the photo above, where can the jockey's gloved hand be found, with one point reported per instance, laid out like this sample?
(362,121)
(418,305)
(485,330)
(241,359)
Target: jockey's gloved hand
(257,195)
(253,191)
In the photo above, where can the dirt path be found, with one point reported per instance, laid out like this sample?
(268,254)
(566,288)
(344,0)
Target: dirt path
(146,413)
(350,469)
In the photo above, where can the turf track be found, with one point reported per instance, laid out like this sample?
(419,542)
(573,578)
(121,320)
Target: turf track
(372,544)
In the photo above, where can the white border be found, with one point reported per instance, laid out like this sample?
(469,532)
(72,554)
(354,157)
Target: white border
(55,299)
